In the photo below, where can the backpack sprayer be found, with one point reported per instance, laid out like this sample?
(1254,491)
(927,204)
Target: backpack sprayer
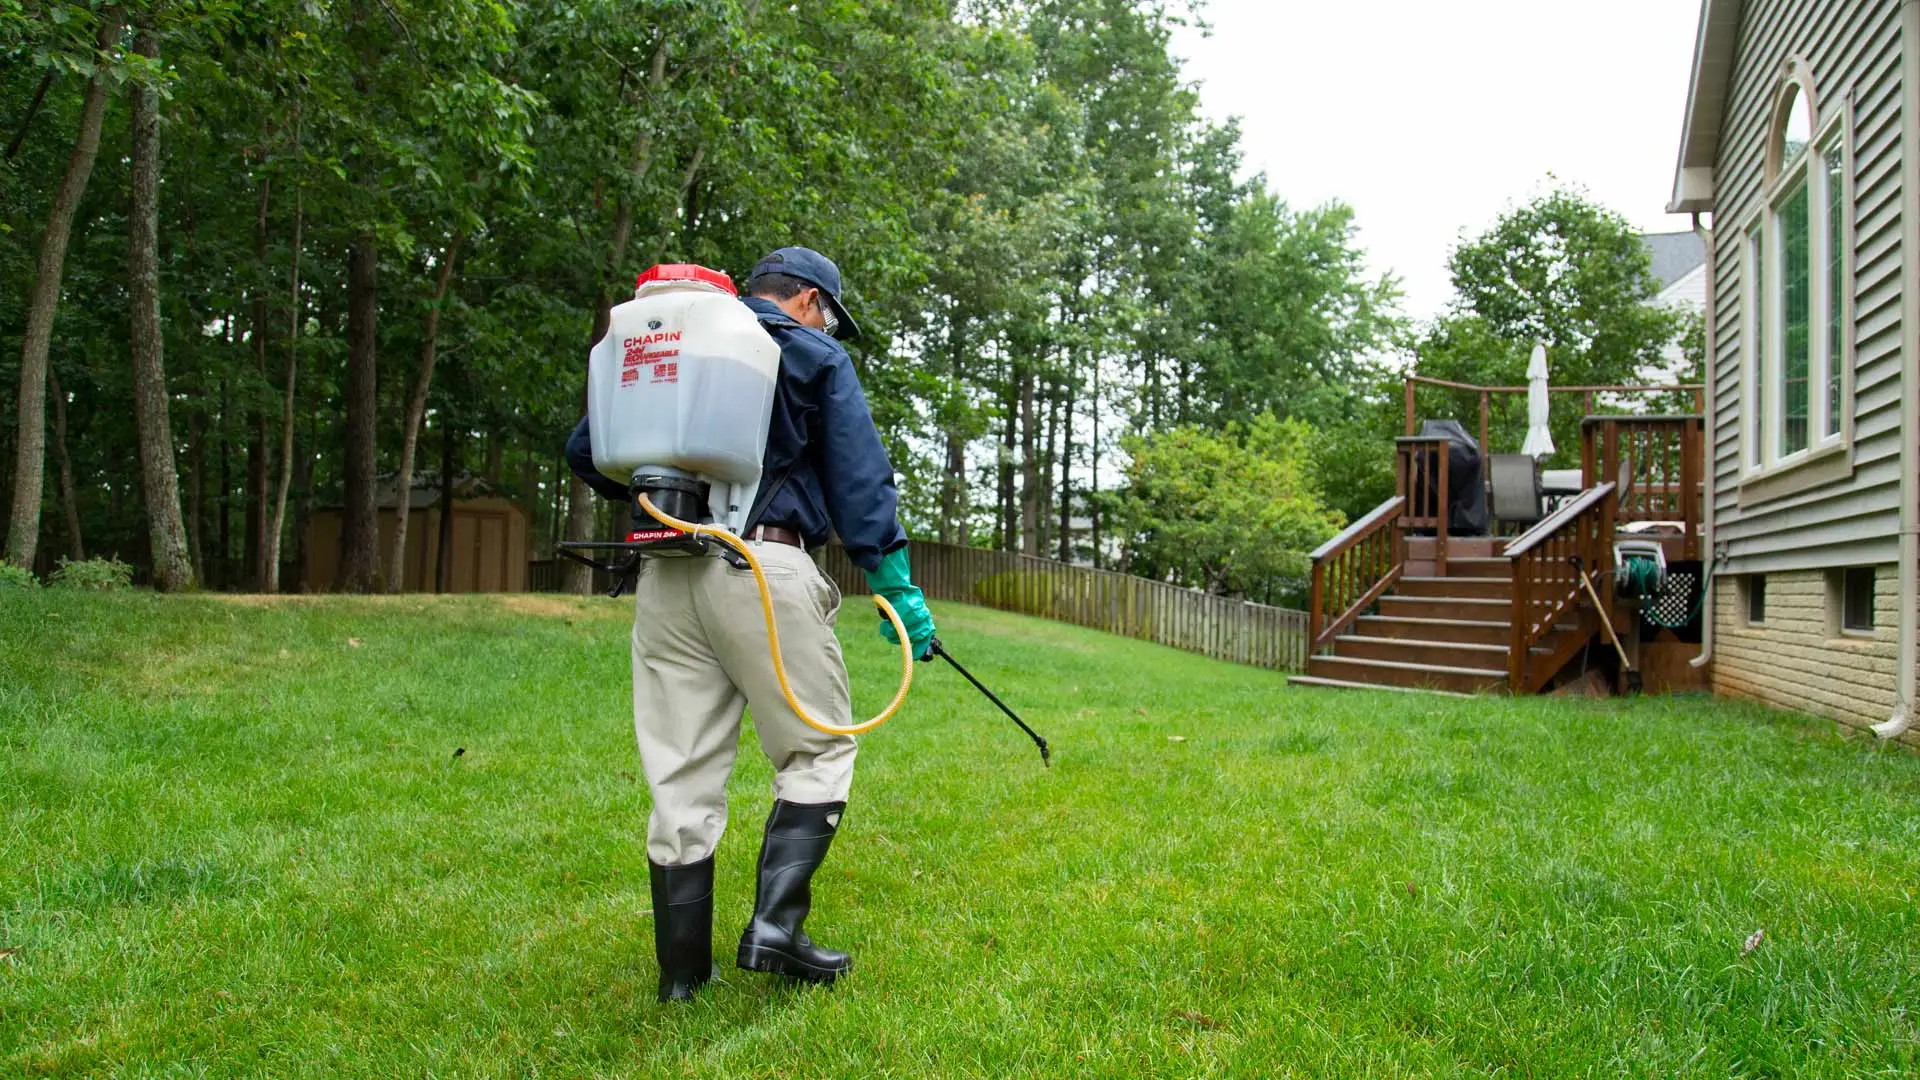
(679,396)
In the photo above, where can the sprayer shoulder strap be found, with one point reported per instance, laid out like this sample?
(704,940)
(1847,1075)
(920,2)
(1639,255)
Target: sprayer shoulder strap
(771,486)
(774,481)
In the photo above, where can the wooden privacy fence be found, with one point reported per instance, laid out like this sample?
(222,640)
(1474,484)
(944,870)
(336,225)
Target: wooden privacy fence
(1215,626)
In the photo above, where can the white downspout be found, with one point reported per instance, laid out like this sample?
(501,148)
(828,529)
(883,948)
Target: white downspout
(1707,425)
(1908,613)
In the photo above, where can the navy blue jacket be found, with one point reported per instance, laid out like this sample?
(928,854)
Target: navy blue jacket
(821,437)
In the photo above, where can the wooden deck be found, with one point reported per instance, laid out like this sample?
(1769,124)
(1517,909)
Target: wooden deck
(1398,602)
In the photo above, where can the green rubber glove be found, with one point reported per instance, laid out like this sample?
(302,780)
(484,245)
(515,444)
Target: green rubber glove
(894,580)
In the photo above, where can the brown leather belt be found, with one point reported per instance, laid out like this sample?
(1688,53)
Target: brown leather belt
(775,534)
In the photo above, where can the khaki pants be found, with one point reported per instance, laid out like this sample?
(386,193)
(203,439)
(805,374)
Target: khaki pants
(700,658)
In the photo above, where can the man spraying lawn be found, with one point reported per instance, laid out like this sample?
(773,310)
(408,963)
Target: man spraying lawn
(700,646)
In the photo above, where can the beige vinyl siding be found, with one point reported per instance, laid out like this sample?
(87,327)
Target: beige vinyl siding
(1852,50)
(1795,660)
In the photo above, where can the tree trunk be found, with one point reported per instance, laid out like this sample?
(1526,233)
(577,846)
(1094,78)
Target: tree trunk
(223,501)
(574,578)
(1046,468)
(279,516)
(1093,451)
(257,463)
(416,409)
(29,461)
(1009,520)
(360,517)
(670,214)
(530,496)
(1030,469)
(303,509)
(197,493)
(168,535)
(953,494)
(496,457)
(579,579)
(443,565)
(69,505)
(33,110)
(1066,471)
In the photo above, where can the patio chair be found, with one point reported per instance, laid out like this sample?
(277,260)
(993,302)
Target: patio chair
(1516,489)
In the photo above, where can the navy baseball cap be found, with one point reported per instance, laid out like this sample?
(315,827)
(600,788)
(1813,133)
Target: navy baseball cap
(817,270)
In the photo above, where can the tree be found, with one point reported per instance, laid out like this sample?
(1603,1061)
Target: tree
(1232,512)
(171,569)
(1561,270)
(29,469)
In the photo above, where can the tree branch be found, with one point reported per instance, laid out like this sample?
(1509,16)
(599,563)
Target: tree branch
(33,109)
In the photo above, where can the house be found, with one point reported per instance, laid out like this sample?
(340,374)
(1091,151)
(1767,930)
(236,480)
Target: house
(1796,141)
(1679,261)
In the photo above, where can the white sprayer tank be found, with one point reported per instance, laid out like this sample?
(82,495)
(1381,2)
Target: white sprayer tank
(683,383)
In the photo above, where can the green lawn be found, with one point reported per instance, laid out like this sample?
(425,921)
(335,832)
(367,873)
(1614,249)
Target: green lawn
(237,842)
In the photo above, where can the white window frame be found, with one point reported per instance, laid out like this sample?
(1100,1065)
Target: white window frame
(1753,345)
(1836,134)
(1763,365)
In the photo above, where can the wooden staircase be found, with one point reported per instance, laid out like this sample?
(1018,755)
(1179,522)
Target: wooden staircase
(1398,604)
(1450,633)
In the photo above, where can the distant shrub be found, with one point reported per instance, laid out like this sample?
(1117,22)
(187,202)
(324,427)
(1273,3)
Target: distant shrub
(101,575)
(17,577)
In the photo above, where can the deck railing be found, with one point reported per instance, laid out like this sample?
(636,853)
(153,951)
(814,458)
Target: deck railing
(1421,474)
(1353,570)
(1589,396)
(1546,584)
(1656,461)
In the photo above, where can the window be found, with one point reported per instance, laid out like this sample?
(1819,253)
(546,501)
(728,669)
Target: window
(1856,610)
(1756,591)
(1796,290)
(1796,302)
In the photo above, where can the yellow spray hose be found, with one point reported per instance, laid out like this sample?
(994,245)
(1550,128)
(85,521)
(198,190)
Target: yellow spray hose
(773,634)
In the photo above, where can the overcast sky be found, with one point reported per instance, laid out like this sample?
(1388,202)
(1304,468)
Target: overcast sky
(1432,116)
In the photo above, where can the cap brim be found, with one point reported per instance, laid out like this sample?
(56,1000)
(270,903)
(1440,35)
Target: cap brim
(848,330)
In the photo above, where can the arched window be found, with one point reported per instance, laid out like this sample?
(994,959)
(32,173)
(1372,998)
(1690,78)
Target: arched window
(1797,297)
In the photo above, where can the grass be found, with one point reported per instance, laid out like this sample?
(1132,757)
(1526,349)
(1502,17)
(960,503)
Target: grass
(237,842)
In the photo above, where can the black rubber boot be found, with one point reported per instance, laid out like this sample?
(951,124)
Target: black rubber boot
(683,926)
(798,835)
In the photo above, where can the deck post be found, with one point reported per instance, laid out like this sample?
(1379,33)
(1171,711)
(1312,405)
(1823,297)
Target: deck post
(1441,513)
(1517,632)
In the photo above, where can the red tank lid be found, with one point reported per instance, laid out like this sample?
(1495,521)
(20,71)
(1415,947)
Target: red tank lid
(687,272)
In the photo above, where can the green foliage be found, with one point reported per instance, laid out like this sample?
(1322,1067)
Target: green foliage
(1235,511)
(96,575)
(17,577)
(1048,245)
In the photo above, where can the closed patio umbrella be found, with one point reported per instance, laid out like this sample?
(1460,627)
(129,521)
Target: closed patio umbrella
(1539,438)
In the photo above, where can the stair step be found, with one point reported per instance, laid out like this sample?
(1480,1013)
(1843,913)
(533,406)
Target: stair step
(1480,568)
(1476,588)
(1311,682)
(1463,680)
(1435,652)
(1472,631)
(1471,609)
